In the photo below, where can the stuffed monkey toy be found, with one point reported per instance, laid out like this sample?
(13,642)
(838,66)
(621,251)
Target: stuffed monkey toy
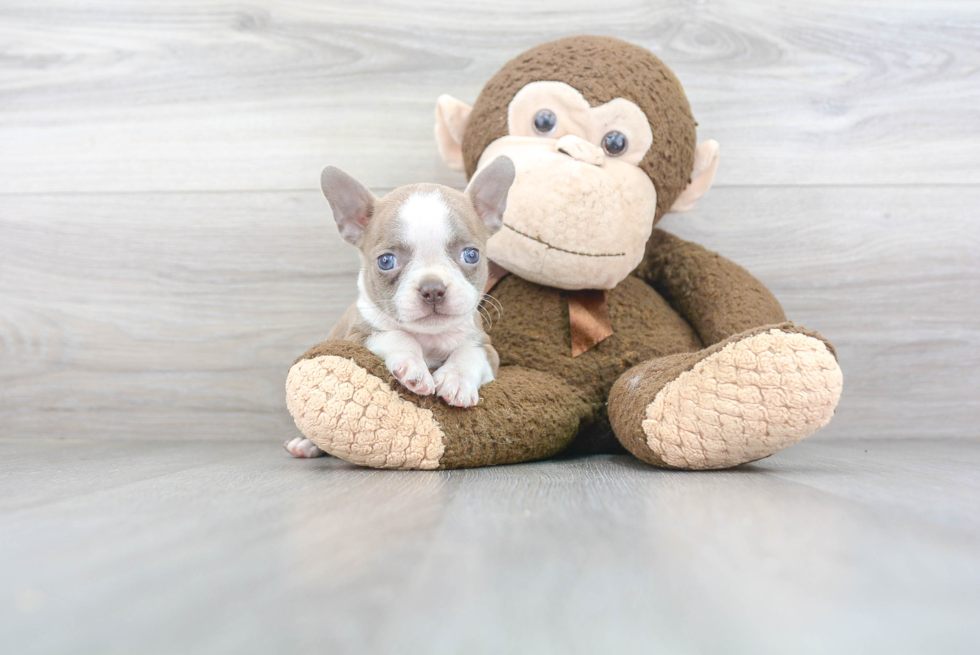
(611,333)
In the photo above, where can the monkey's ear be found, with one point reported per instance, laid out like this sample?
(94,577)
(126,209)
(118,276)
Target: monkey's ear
(488,192)
(350,201)
(705,167)
(452,116)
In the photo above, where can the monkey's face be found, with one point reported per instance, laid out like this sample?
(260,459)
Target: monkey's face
(603,143)
(581,210)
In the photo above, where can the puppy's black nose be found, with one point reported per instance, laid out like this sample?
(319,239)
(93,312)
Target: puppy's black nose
(432,292)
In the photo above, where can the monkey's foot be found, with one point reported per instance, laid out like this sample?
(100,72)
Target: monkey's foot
(737,402)
(344,400)
(355,415)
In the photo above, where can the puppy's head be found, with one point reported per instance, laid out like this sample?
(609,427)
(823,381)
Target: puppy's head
(423,261)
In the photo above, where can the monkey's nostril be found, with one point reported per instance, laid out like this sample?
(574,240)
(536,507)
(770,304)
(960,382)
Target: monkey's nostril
(580,150)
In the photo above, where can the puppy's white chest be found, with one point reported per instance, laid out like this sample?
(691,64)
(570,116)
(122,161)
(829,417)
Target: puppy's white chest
(436,348)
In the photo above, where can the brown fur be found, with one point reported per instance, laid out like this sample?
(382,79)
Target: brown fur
(644,326)
(602,68)
(718,297)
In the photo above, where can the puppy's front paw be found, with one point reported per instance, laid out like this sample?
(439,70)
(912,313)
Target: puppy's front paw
(300,447)
(455,388)
(412,372)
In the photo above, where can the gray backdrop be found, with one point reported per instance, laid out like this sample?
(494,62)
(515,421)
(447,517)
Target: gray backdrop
(165,252)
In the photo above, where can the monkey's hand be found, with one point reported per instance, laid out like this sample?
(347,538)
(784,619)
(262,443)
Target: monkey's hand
(716,296)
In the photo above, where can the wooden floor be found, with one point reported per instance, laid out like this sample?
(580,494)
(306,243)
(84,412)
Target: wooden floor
(857,546)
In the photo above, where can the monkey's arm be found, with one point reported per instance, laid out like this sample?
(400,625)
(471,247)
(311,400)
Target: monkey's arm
(718,297)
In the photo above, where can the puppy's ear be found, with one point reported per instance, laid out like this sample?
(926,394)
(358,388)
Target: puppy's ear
(488,192)
(351,202)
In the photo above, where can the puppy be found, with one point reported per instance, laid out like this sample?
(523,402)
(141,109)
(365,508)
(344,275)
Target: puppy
(423,271)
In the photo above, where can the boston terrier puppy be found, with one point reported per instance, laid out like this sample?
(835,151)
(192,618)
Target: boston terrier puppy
(423,273)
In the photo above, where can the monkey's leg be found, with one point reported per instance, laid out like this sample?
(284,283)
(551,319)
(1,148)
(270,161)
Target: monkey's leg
(740,400)
(346,402)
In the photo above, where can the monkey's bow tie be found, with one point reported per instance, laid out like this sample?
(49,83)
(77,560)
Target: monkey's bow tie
(588,312)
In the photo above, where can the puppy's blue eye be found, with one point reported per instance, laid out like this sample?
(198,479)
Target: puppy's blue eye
(470,256)
(386,262)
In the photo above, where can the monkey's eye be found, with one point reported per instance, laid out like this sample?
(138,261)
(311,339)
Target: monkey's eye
(470,256)
(545,122)
(386,262)
(614,143)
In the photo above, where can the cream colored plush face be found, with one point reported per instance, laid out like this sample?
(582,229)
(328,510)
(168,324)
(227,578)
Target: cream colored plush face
(576,218)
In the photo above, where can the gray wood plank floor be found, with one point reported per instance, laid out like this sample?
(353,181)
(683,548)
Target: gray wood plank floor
(858,546)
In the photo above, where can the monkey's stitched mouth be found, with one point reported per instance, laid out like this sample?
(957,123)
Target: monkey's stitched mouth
(570,252)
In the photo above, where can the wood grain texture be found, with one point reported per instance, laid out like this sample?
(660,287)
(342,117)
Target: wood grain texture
(152,96)
(165,254)
(177,315)
(208,547)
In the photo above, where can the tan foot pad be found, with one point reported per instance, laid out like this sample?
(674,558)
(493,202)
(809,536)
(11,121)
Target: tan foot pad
(749,400)
(357,417)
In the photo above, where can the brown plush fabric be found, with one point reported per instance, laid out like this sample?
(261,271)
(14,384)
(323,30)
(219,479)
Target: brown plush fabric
(627,401)
(602,68)
(534,332)
(748,382)
(357,353)
(370,362)
(719,297)
(523,415)
(636,389)
(544,398)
